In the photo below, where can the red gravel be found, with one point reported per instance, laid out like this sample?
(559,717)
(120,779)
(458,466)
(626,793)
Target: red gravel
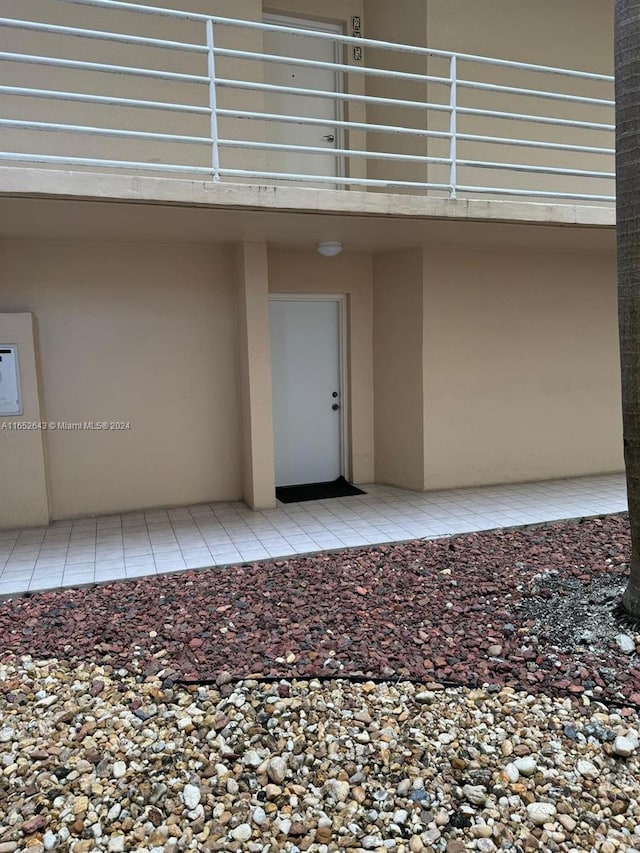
(430,610)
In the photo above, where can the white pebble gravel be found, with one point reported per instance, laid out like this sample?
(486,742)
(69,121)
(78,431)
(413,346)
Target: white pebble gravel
(526,766)
(307,766)
(541,813)
(624,746)
(119,769)
(242,832)
(626,644)
(191,796)
(587,769)
(512,772)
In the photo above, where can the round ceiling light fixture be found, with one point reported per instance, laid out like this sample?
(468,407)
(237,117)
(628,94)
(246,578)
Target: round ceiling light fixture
(330,249)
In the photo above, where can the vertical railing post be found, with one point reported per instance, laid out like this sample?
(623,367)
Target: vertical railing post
(213,103)
(453,129)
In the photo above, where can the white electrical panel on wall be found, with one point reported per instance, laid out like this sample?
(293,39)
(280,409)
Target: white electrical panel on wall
(10,397)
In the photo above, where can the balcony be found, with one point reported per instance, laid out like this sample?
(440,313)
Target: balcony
(105,86)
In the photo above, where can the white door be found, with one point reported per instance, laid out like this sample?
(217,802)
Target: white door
(326,109)
(307,399)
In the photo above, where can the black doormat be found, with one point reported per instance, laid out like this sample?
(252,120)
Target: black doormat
(339,488)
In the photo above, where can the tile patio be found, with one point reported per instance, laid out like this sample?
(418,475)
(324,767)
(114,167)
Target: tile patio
(91,550)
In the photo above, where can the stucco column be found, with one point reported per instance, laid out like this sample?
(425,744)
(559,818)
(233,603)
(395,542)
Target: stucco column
(22,462)
(252,274)
(398,359)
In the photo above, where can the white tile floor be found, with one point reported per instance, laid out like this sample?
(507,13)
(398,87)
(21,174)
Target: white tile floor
(89,550)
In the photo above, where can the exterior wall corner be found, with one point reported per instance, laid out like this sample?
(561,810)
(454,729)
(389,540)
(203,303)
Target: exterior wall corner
(252,280)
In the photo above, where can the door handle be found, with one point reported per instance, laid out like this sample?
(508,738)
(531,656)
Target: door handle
(329,137)
(335,407)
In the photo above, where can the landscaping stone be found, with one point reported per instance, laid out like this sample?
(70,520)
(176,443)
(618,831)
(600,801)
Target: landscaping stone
(540,813)
(277,752)
(406,782)
(526,765)
(533,592)
(626,644)
(624,746)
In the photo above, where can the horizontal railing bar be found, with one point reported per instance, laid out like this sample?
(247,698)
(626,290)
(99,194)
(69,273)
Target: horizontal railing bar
(95,161)
(100,66)
(320,122)
(536,93)
(528,66)
(544,170)
(535,193)
(323,93)
(334,152)
(347,152)
(145,10)
(102,131)
(166,75)
(241,84)
(231,52)
(412,131)
(561,122)
(188,46)
(395,102)
(530,143)
(343,39)
(102,99)
(91,161)
(330,179)
(374,155)
(426,78)
(102,34)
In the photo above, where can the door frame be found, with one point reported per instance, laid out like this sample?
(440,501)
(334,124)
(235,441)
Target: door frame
(323,27)
(343,341)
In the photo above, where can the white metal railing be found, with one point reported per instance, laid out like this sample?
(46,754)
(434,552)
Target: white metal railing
(216,113)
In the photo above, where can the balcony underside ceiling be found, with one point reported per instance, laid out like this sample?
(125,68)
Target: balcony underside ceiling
(52,205)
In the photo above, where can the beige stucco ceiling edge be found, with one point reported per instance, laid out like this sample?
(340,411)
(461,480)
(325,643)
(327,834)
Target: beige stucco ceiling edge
(55,183)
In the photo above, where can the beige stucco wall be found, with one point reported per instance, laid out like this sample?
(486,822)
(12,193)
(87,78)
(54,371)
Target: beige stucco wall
(144,334)
(350,274)
(574,34)
(399,365)
(22,461)
(521,373)
(332,10)
(383,22)
(495,365)
(127,85)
